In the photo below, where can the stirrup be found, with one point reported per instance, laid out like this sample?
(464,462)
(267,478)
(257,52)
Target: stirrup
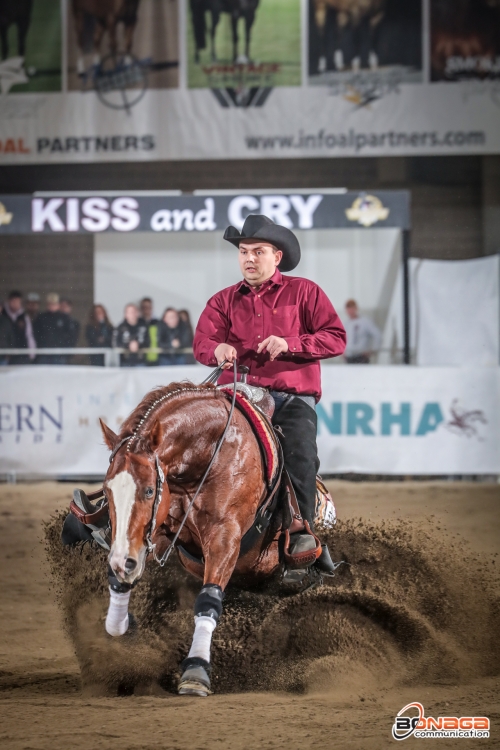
(306,557)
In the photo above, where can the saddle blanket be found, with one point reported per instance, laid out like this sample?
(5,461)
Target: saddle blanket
(262,431)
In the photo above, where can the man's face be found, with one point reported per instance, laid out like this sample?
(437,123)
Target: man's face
(258,261)
(32,306)
(15,304)
(146,309)
(131,315)
(53,306)
(352,311)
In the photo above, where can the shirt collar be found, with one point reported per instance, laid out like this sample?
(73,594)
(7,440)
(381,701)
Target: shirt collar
(276,279)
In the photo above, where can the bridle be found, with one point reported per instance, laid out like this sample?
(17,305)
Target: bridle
(160,475)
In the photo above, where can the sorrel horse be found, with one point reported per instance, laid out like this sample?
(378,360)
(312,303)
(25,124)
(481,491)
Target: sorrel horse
(157,461)
(106,15)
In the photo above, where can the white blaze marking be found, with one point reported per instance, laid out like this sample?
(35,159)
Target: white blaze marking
(123,488)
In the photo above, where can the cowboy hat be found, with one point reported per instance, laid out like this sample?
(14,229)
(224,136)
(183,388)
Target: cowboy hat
(258,227)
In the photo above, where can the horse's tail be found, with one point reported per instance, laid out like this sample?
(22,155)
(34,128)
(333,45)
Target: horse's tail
(198,8)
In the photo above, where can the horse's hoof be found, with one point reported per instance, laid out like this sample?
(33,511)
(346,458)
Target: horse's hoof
(195,681)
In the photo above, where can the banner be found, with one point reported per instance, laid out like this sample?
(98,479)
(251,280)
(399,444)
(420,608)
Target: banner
(197,79)
(136,212)
(387,420)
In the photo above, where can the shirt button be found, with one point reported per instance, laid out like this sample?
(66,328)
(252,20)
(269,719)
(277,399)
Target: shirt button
(258,337)
(258,315)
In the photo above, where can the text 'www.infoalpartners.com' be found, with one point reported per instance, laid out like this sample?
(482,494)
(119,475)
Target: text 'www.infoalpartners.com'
(354,140)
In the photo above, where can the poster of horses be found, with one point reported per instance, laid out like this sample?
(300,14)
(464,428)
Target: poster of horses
(114,45)
(371,40)
(233,43)
(30,46)
(465,40)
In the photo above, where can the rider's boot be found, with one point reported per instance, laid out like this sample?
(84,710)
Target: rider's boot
(324,563)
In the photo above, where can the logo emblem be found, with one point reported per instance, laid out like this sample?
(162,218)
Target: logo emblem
(367,210)
(5,216)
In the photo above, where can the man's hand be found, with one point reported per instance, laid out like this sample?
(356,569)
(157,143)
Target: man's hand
(133,346)
(224,351)
(274,345)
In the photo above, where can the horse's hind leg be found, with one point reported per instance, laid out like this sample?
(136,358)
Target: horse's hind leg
(219,566)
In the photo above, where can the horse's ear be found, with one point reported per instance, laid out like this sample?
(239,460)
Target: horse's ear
(110,438)
(155,435)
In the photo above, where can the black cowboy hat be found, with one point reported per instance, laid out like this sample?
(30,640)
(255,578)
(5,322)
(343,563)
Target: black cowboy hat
(258,227)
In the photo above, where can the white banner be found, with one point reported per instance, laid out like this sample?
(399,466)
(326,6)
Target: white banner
(388,420)
(377,79)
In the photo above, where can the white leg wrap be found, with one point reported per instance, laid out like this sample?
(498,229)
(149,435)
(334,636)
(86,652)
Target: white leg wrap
(203,629)
(117,617)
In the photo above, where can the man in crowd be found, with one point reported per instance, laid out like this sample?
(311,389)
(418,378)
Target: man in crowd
(53,331)
(147,317)
(66,306)
(21,326)
(6,336)
(32,305)
(133,336)
(363,336)
(280,327)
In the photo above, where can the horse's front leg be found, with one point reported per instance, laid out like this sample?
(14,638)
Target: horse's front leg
(221,556)
(118,618)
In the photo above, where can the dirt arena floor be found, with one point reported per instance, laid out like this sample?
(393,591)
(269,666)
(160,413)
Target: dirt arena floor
(413,617)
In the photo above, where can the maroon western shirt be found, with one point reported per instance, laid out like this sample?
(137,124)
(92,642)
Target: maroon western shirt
(294,309)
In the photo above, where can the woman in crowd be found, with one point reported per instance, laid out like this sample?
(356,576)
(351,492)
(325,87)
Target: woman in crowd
(99,332)
(186,322)
(173,335)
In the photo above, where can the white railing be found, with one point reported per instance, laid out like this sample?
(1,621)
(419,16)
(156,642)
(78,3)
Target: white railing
(111,355)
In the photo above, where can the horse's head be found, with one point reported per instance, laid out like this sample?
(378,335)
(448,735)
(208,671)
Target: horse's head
(130,487)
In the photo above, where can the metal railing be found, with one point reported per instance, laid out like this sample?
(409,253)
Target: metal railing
(111,355)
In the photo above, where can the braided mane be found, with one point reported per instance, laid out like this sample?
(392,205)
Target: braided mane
(137,424)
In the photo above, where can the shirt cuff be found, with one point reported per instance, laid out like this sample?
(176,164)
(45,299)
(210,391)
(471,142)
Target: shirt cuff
(294,345)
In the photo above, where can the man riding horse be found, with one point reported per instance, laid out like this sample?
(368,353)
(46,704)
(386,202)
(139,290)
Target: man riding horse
(279,327)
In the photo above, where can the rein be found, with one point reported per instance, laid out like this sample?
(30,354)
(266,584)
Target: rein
(160,477)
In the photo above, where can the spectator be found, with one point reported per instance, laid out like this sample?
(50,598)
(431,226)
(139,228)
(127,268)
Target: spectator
(99,333)
(172,335)
(66,306)
(133,336)
(52,330)
(32,306)
(22,328)
(186,322)
(363,336)
(6,336)
(152,323)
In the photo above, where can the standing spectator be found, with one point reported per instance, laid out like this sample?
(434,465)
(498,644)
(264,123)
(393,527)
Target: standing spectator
(152,323)
(6,336)
(52,331)
(66,306)
(133,336)
(363,336)
(186,322)
(32,305)
(21,324)
(99,333)
(173,335)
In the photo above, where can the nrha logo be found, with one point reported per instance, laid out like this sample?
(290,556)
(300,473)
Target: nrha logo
(446,727)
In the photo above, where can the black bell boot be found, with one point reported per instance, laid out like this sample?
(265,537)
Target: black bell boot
(324,563)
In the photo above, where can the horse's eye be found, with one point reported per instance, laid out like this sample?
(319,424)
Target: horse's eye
(149,492)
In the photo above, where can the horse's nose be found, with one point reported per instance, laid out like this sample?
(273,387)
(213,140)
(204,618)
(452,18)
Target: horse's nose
(130,564)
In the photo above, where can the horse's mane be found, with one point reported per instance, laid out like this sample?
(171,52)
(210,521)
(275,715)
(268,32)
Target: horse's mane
(139,422)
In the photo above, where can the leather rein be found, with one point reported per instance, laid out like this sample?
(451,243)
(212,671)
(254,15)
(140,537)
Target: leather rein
(160,475)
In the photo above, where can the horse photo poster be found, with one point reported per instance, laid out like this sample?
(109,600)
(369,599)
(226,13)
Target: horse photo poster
(242,79)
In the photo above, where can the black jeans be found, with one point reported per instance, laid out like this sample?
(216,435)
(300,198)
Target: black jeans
(298,422)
